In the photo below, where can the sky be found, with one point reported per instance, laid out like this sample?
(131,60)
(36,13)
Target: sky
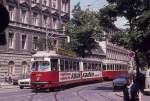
(96,5)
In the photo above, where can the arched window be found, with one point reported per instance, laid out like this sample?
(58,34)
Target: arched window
(24,69)
(11,68)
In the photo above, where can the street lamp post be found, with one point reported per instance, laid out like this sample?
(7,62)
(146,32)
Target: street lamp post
(46,37)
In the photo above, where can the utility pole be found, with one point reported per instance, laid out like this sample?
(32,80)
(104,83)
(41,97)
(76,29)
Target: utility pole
(46,37)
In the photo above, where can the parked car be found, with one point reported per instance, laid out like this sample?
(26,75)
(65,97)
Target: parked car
(24,83)
(119,82)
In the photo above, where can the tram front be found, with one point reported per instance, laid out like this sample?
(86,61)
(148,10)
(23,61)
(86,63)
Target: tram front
(42,77)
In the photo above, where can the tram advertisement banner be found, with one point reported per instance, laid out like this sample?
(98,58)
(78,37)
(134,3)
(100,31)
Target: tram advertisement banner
(91,74)
(67,76)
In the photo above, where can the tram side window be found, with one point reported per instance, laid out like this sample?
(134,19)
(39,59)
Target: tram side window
(108,67)
(104,67)
(74,66)
(85,66)
(66,65)
(118,67)
(62,65)
(54,64)
(89,66)
(93,67)
(35,66)
(100,67)
(96,67)
(70,66)
(78,67)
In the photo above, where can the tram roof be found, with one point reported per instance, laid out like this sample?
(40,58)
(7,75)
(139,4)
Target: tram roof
(114,62)
(50,54)
(54,54)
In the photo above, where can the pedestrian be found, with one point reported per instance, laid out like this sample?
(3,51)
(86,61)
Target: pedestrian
(131,91)
(5,76)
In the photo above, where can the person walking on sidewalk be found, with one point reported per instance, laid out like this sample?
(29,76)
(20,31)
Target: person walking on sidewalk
(131,91)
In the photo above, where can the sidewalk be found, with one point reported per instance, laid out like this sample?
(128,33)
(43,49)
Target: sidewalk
(120,94)
(6,85)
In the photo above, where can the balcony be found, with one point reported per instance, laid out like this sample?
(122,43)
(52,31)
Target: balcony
(54,12)
(65,16)
(33,28)
(24,3)
(35,6)
(46,10)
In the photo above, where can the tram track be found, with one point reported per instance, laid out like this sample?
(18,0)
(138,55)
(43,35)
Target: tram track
(55,96)
(78,92)
(99,94)
(31,97)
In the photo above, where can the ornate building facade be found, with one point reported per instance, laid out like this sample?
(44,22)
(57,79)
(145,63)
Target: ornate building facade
(29,21)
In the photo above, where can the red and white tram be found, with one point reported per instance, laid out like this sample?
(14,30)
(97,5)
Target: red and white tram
(114,70)
(50,70)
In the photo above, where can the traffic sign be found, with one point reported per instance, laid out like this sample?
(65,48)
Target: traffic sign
(131,54)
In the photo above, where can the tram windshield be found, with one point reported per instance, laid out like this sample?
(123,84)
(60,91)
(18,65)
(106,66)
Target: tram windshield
(40,66)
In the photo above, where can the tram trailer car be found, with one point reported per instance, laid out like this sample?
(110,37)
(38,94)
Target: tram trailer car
(112,71)
(50,70)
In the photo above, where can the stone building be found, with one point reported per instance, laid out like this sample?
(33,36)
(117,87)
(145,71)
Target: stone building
(29,21)
(115,55)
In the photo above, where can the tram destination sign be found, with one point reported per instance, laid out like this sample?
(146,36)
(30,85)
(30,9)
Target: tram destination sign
(39,58)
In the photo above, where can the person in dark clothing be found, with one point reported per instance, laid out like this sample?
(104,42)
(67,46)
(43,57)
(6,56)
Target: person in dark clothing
(131,91)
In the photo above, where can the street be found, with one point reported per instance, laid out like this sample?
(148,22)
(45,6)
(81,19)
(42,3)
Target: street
(92,92)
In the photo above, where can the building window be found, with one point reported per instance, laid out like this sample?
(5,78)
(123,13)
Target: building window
(54,23)
(35,1)
(24,42)
(45,18)
(12,13)
(45,2)
(35,19)
(35,40)
(64,6)
(24,69)
(54,4)
(11,69)
(24,17)
(11,39)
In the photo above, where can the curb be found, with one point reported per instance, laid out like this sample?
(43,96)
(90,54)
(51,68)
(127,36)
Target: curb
(8,86)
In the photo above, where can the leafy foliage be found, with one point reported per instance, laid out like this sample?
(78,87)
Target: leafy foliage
(138,15)
(107,16)
(83,29)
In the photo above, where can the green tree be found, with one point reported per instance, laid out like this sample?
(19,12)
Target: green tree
(107,17)
(83,29)
(133,11)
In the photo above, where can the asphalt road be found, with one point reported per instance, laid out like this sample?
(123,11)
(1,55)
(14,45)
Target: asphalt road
(92,92)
